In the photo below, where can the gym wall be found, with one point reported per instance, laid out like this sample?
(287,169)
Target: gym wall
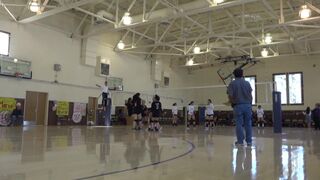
(308,65)
(45,47)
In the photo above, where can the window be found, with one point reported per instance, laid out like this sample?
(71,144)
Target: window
(295,88)
(290,85)
(252,81)
(281,86)
(4,43)
(166,81)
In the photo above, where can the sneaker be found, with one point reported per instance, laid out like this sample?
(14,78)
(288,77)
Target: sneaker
(238,144)
(249,144)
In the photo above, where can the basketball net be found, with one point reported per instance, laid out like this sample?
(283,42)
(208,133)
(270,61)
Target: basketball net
(18,75)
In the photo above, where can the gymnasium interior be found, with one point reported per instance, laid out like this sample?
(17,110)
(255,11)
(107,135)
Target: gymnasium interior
(55,54)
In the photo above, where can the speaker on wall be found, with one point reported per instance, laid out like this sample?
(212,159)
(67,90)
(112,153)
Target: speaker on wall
(102,67)
(57,67)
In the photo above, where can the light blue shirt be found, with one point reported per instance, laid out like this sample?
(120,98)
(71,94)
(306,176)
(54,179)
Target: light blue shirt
(240,90)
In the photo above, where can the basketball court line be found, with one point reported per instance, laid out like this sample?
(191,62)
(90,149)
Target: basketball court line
(191,148)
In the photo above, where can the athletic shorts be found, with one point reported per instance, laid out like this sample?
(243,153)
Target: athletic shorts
(136,116)
(155,119)
(209,116)
(104,99)
(191,116)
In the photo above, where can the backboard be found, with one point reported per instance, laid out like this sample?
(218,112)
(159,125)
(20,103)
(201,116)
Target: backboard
(15,67)
(115,83)
(226,75)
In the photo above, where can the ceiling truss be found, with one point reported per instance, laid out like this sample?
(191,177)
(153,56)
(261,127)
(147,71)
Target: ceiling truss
(164,27)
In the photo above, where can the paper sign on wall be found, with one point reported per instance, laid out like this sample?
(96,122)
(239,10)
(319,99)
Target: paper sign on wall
(7,104)
(62,108)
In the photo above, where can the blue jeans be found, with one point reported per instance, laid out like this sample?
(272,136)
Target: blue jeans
(243,116)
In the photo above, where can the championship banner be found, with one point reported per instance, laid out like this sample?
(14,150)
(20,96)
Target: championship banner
(76,117)
(62,108)
(80,107)
(83,109)
(7,104)
(79,110)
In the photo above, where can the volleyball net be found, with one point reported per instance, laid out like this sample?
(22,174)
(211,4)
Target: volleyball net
(262,95)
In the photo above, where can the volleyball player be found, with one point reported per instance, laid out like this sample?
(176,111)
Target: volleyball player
(145,113)
(137,111)
(209,115)
(174,114)
(191,116)
(156,110)
(104,93)
(260,115)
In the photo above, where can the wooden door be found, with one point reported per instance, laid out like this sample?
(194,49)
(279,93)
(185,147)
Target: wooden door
(36,107)
(31,106)
(92,108)
(42,108)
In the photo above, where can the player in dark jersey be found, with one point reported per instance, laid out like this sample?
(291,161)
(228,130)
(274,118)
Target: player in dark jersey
(137,111)
(145,113)
(156,110)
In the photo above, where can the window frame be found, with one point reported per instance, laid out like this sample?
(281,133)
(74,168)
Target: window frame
(255,89)
(287,89)
(273,80)
(9,44)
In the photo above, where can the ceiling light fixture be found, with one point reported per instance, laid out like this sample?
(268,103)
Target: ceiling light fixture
(268,38)
(196,50)
(15,60)
(218,1)
(304,12)
(121,45)
(34,6)
(264,52)
(127,19)
(190,62)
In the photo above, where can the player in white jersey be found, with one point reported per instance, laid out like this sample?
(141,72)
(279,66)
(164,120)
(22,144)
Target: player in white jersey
(191,115)
(105,93)
(209,114)
(260,116)
(174,114)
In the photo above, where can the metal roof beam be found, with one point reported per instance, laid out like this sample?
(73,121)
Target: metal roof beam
(188,9)
(8,11)
(57,10)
